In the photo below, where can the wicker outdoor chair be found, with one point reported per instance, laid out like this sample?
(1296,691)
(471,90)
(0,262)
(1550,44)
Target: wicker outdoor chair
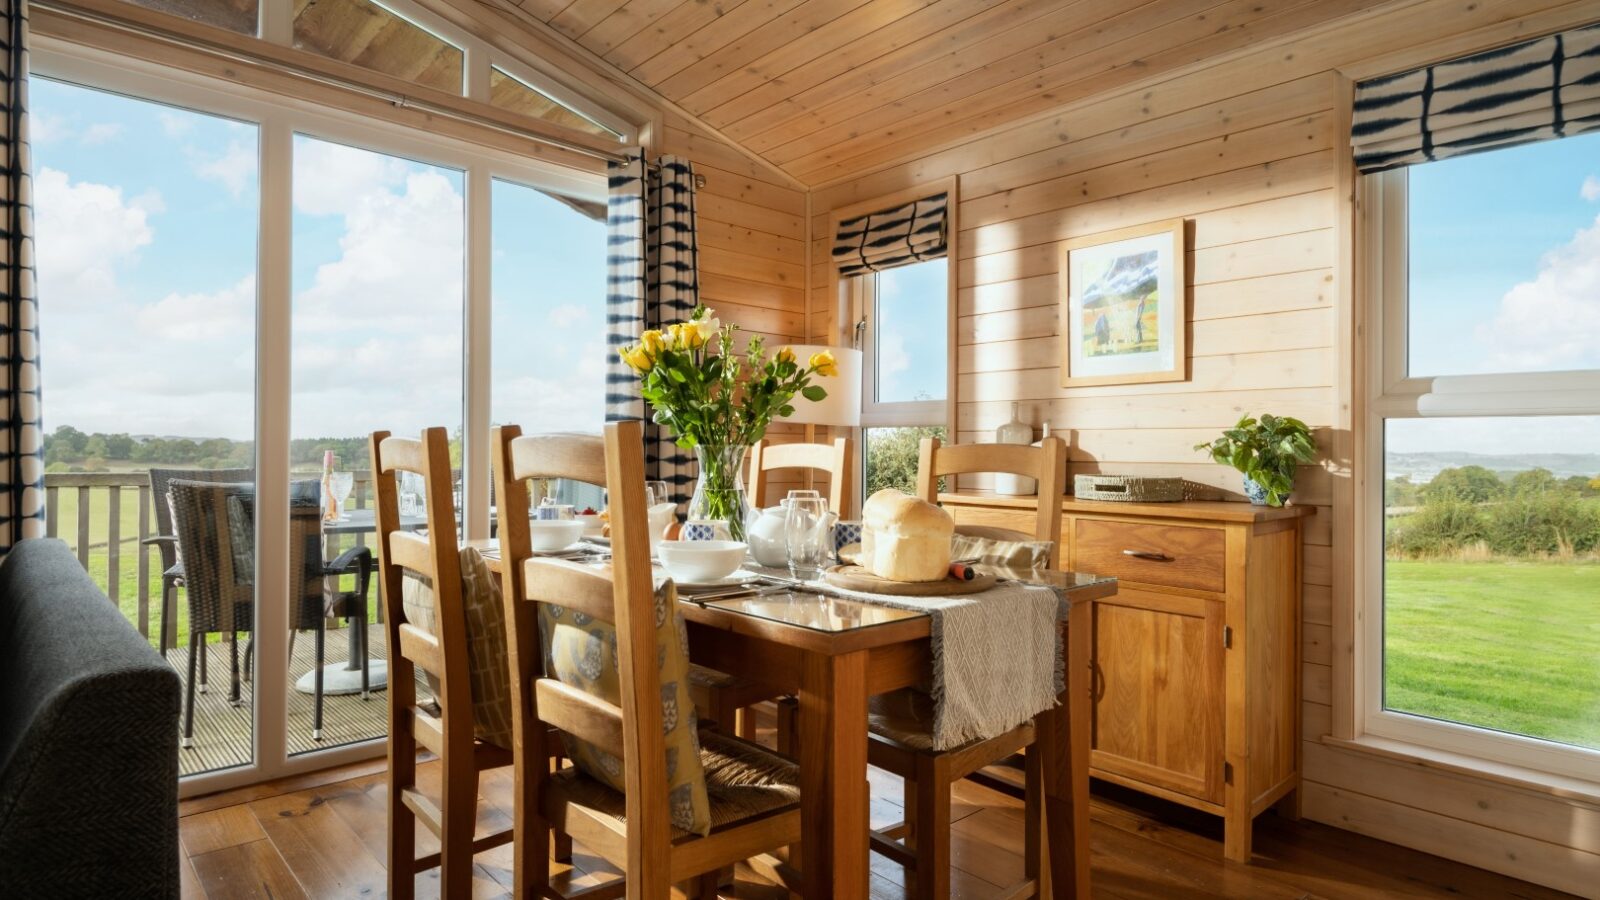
(215,526)
(166,541)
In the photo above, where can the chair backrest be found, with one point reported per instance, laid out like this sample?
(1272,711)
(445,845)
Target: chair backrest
(161,478)
(436,557)
(308,585)
(1046,463)
(832,458)
(217,532)
(624,597)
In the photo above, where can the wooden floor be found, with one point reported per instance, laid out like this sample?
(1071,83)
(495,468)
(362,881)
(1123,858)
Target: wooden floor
(222,730)
(322,836)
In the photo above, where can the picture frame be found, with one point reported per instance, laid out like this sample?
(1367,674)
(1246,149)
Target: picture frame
(1124,306)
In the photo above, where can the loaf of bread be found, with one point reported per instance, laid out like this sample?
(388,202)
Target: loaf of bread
(903,538)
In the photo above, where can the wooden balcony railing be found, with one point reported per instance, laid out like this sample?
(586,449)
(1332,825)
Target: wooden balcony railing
(102,532)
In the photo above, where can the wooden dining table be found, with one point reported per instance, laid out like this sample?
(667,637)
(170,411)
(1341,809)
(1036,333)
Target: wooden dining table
(833,652)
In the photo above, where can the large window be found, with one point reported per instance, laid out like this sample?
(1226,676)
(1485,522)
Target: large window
(1485,415)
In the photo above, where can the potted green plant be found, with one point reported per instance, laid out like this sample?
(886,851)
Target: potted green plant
(1267,452)
(718,402)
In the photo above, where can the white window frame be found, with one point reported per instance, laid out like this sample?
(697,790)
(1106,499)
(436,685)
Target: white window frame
(279,119)
(875,414)
(1394,394)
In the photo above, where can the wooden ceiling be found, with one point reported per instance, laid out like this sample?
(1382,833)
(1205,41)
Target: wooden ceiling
(829,89)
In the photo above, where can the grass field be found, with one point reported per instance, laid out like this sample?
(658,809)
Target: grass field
(1509,645)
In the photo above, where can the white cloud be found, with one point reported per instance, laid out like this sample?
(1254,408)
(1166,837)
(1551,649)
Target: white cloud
(101,133)
(235,169)
(1553,321)
(332,179)
(175,124)
(567,314)
(228,313)
(86,231)
(1591,189)
(47,129)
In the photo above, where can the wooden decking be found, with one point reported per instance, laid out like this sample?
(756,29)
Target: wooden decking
(322,836)
(222,731)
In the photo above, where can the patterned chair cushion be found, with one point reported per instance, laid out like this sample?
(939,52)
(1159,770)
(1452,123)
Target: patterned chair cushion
(1000,547)
(581,651)
(490,667)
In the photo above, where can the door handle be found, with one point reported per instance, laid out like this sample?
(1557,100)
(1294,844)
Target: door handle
(1151,555)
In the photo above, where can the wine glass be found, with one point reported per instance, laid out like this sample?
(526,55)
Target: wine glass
(656,492)
(805,536)
(341,483)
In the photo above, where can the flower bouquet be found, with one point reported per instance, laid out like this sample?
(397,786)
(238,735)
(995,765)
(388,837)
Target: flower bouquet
(718,402)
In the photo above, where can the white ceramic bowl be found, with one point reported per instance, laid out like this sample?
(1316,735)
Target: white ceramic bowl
(551,535)
(592,525)
(698,562)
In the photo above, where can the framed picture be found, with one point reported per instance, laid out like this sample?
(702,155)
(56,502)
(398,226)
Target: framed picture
(1124,306)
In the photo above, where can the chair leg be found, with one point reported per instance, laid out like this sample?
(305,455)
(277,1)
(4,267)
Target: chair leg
(249,656)
(745,722)
(402,822)
(1035,864)
(459,810)
(908,794)
(204,657)
(560,841)
(788,724)
(188,712)
(366,655)
(706,885)
(292,633)
(169,627)
(932,828)
(316,680)
(233,668)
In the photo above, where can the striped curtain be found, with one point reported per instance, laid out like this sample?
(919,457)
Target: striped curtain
(652,280)
(1534,91)
(892,237)
(21,437)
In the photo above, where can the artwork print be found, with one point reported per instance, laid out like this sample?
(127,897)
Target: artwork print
(1123,306)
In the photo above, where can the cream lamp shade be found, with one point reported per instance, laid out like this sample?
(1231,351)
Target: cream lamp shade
(842,406)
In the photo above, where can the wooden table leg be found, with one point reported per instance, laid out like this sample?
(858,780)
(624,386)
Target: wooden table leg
(1063,742)
(833,775)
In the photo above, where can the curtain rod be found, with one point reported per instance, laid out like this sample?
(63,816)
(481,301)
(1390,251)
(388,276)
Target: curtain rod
(399,101)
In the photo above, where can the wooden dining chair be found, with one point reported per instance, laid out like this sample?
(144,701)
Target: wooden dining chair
(753,795)
(447,730)
(832,458)
(901,723)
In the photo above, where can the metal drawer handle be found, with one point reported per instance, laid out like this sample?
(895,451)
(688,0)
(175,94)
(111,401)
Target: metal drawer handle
(1147,554)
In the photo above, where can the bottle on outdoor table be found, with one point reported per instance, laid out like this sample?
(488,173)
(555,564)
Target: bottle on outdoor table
(330,504)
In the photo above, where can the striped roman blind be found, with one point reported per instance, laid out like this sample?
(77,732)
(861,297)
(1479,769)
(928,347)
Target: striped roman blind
(892,237)
(1534,91)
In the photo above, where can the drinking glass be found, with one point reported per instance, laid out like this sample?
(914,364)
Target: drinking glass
(341,484)
(656,492)
(806,535)
(413,501)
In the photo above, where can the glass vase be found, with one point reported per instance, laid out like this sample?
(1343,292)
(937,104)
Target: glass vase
(719,498)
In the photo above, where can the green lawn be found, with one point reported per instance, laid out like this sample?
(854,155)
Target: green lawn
(1513,646)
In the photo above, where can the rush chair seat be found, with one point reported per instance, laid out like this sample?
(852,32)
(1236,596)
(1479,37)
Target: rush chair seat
(439,648)
(728,699)
(599,660)
(900,724)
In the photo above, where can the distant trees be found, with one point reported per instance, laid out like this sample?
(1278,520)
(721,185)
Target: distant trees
(69,450)
(1533,513)
(892,457)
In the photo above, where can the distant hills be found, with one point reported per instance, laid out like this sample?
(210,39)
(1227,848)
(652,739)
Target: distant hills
(1421,467)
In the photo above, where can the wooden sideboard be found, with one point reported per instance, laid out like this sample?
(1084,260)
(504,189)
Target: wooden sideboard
(1197,657)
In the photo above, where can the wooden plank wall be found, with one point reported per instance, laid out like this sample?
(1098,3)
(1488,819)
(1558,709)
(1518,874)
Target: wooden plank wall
(1250,151)
(752,230)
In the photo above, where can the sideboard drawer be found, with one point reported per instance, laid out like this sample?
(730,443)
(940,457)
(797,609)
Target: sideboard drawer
(1181,556)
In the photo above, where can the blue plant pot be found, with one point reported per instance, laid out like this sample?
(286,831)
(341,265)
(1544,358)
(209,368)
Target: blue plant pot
(1256,493)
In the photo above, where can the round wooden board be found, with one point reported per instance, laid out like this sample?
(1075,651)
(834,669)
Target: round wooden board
(855,578)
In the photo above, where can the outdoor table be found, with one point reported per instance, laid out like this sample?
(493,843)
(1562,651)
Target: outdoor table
(834,652)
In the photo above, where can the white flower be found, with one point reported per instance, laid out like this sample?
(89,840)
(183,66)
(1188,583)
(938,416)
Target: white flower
(708,327)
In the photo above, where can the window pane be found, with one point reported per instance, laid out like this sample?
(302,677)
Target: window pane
(378,248)
(512,95)
(146,223)
(891,457)
(1492,573)
(1502,255)
(366,34)
(910,334)
(234,15)
(548,343)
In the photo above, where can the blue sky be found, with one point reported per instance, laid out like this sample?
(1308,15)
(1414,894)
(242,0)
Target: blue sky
(147,233)
(912,352)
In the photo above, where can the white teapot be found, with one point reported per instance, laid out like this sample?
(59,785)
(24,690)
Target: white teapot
(764,533)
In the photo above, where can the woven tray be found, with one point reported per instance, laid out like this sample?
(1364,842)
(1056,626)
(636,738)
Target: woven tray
(1128,488)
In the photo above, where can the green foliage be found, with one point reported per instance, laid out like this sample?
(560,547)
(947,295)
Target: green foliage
(892,456)
(1532,482)
(1266,451)
(1472,484)
(1552,521)
(1445,524)
(1399,491)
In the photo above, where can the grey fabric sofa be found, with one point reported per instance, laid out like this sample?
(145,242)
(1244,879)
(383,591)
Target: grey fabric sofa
(88,739)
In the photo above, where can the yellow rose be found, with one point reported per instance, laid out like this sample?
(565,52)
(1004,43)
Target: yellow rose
(652,342)
(785,355)
(824,364)
(638,359)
